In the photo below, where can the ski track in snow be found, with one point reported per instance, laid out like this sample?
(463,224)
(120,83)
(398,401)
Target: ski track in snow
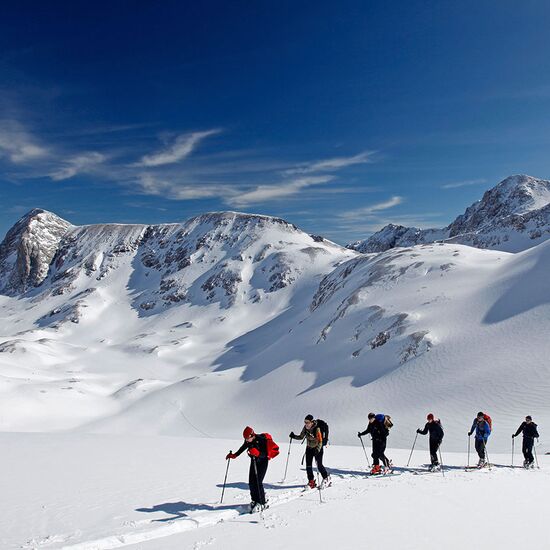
(141,531)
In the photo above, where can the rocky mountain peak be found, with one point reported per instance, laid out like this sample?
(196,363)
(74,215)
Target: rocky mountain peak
(512,216)
(28,249)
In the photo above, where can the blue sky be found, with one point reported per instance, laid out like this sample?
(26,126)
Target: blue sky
(337,116)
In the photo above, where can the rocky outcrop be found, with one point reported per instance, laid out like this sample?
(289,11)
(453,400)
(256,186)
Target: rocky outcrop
(28,249)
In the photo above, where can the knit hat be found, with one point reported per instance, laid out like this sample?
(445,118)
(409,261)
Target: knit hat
(430,417)
(309,417)
(480,414)
(248,432)
(528,417)
(372,415)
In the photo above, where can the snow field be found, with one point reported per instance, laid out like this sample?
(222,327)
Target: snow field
(92,492)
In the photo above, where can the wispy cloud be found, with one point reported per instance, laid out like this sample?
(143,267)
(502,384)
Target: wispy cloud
(152,185)
(181,148)
(366,211)
(465,183)
(332,164)
(18,145)
(264,193)
(77,165)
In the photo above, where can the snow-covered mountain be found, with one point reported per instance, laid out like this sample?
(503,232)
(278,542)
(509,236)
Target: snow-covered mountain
(231,319)
(513,216)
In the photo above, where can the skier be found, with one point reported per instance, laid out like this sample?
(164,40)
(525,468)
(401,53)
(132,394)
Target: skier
(529,429)
(256,445)
(436,437)
(379,434)
(482,427)
(314,449)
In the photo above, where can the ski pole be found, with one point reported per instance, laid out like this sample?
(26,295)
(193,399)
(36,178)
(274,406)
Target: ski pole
(287,458)
(513,439)
(469,451)
(225,478)
(441,461)
(410,456)
(486,454)
(319,487)
(365,451)
(536,457)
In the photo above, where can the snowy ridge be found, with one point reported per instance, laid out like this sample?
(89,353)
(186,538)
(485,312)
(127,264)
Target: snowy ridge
(512,216)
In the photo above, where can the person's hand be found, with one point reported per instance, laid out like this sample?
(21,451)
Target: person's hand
(513,435)
(469,434)
(418,430)
(230,455)
(358,434)
(291,434)
(254,452)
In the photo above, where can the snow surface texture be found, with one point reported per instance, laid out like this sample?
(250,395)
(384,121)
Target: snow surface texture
(231,319)
(100,492)
(512,216)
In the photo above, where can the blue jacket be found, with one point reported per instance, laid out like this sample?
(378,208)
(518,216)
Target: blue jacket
(483,430)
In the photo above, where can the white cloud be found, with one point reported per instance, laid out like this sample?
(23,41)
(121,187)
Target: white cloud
(76,165)
(182,147)
(151,185)
(18,145)
(360,213)
(264,193)
(464,183)
(333,164)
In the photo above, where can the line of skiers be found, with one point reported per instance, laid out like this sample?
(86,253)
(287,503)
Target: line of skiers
(261,448)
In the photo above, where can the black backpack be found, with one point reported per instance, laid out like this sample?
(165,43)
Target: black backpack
(323,426)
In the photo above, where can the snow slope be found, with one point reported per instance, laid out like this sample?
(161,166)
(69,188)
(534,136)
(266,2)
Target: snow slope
(102,492)
(229,319)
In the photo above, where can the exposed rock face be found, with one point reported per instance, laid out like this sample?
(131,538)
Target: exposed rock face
(512,216)
(28,249)
(220,257)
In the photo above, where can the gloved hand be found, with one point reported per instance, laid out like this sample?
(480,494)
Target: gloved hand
(230,455)
(359,434)
(418,430)
(469,434)
(291,434)
(513,435)
(254,452)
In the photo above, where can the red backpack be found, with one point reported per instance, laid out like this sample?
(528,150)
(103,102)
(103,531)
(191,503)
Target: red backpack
(271,446)
(488,420)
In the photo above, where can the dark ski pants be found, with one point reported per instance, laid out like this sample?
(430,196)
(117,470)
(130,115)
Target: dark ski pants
(310,453)
(527,449)
(378,448)
(434,447)
(480,448)
(256,484)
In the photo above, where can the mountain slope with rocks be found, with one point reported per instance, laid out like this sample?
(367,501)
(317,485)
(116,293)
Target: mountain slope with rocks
(512,216)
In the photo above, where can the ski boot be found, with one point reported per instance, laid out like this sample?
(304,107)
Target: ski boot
(311,484)
(376,470)
(435,468)
(327,482)
(481,463)
(257,507)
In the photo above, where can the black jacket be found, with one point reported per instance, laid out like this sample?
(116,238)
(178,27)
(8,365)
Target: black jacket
(259,443)
(529,430)
(435,428)
(378,431)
